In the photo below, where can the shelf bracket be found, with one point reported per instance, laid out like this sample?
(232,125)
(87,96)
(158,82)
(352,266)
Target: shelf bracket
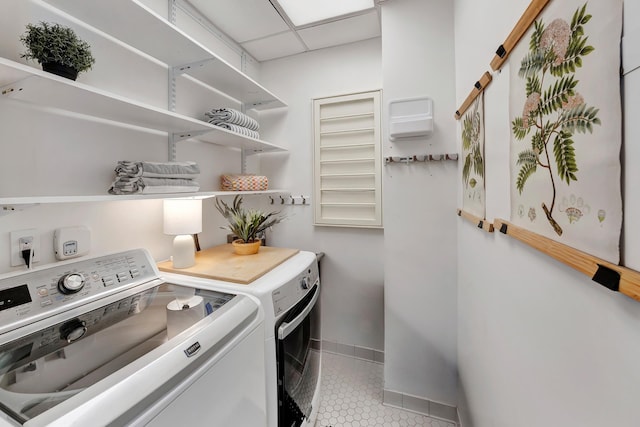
(180,136)
(184,68)
(243,161)
(172,90)
(10,89)
(14,88)
(172,148)
(9,209)
(171,101)
(174,138)
(172,12)
(260,103)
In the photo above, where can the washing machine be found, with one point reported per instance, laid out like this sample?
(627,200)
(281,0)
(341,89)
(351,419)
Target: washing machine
(106,341)
(289,294)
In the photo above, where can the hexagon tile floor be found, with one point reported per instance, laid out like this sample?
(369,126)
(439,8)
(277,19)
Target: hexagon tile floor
(352,397)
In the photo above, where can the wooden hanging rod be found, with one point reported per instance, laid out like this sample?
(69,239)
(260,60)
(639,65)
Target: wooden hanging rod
(478,87)
(523,24)
(614,277)
(483,224)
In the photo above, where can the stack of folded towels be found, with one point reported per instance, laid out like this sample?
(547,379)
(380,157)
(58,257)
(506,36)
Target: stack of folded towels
(155,177)
(234,120)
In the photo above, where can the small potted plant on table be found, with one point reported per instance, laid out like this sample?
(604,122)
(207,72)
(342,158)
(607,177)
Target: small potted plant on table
(246,224)
(57,48)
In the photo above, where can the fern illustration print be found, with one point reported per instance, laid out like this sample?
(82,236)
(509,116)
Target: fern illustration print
(553,113)
(565,125)
(472,123)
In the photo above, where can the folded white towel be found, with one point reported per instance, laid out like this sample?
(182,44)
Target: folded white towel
(234,117)
(157,169)
(146,185)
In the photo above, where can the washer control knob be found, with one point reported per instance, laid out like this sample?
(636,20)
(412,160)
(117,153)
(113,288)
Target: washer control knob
(73,330)
(304,283)
(71,283)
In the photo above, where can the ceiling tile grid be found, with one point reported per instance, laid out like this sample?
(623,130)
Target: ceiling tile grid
(259,29)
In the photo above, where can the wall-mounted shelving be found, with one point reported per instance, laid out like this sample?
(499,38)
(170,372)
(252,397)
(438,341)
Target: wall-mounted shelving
(140,27)
(23,83)
(123,20)
(12,204)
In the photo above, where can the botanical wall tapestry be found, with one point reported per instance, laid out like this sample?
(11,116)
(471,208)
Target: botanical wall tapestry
(565,113)
(472,123)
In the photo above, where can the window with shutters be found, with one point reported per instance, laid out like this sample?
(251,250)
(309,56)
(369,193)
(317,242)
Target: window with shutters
(347,161)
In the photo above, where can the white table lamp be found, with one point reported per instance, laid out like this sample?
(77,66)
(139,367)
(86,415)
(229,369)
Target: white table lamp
(182,218)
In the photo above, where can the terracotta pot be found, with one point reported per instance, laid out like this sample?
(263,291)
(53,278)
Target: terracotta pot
(241,248)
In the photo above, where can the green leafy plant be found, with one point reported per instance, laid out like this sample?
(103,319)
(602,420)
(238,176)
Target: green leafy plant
(554,110)
(246,224)
(473,161)
(53,43)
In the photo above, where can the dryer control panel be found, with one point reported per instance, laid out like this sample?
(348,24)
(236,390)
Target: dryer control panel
(48,290)
(295,289)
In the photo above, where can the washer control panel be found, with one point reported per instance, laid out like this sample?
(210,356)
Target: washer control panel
(46,290)
(288,295)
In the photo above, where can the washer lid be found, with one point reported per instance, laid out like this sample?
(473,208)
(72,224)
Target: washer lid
(91,349)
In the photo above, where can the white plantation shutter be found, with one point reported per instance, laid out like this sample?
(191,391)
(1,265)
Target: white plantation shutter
(347,161)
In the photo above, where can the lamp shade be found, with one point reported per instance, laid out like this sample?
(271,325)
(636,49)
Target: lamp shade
(182,216)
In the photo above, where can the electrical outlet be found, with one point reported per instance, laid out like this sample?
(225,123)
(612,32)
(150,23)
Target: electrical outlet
(22,239)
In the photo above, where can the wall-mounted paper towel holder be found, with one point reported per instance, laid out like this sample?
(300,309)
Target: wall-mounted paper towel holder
(410,117)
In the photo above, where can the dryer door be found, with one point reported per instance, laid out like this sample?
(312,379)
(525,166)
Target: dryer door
(298,355)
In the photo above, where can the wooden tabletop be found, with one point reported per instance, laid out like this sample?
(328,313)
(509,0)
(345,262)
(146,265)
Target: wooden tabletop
(220,263)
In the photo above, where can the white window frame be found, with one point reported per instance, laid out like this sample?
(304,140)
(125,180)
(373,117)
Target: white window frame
(358,205)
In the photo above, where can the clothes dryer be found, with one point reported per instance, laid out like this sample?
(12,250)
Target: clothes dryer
(289,294)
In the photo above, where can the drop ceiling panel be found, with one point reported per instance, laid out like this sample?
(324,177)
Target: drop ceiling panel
(277,46)
(348,30)
(242,20)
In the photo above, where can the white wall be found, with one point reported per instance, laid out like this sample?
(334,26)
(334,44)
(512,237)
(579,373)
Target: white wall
(419,206)
(538,343)
(47,153)
(352,269)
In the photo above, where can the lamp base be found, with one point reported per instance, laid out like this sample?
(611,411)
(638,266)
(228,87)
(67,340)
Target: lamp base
(184,251)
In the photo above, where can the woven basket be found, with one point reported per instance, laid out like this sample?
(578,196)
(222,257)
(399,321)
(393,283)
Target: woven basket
(229,182)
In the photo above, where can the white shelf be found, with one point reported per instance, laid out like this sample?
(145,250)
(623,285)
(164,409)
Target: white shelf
(12,204)
(28,84)
(220,136)
(140,27)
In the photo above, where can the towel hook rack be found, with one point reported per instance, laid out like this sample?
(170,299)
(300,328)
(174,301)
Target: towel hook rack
(422,158)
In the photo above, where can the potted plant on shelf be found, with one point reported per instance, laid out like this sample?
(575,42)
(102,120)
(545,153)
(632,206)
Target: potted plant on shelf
(246,224)
(57,49)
